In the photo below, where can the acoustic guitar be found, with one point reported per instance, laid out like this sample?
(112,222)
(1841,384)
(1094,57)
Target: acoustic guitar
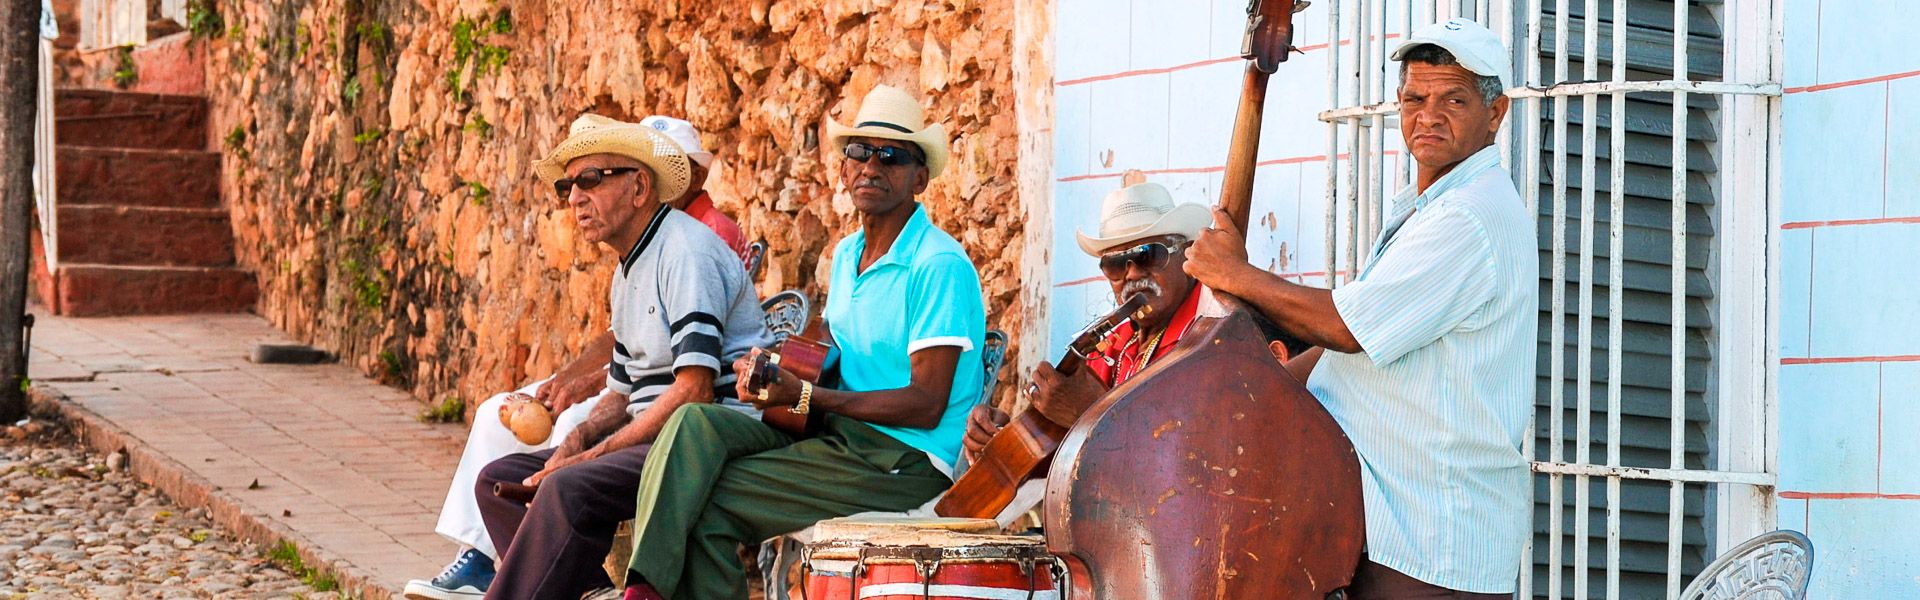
(804,357)
(1021,449)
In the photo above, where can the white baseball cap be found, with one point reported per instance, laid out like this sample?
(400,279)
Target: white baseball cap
(682,133)
(1473,45)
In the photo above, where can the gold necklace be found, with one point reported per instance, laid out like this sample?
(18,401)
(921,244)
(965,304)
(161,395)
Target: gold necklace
(1146,354)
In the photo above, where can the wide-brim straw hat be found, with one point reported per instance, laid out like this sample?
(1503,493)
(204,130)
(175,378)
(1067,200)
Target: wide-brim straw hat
(595,134)
(890,113)
(1142,211)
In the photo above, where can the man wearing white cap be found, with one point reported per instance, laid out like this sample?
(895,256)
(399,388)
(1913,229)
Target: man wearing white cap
(570,393)
(682,309)
(696,202)
(1429,361)
(905,312)
(1141,244)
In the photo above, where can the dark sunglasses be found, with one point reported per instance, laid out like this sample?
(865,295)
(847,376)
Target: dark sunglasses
(587,179)
(891,156)
(1149,256)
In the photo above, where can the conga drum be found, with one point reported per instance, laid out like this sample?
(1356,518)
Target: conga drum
(899,558)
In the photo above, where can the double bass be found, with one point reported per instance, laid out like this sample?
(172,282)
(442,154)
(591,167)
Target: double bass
(1213,473)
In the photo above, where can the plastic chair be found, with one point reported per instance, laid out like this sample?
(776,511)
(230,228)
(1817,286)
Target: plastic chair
(787,314)
(1775,565)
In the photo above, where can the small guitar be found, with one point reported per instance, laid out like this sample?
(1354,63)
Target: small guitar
(1018,451)
(802,356)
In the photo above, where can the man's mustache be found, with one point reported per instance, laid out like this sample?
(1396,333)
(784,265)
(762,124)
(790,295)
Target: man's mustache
(1141,286)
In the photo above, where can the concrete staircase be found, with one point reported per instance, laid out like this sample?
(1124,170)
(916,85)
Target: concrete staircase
(141,229)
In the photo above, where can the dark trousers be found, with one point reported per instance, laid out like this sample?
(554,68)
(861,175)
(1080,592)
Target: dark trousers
(1374,581)
(555,547)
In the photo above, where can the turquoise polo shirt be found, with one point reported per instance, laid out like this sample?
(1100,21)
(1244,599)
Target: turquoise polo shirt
(923,293)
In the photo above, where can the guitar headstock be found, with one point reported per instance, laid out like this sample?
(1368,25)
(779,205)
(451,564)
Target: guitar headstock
(1269,32)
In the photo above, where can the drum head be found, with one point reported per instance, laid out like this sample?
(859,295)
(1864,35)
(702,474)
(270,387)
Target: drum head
(847,529)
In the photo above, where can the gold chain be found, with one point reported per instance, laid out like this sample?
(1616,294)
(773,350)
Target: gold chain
(1146,355)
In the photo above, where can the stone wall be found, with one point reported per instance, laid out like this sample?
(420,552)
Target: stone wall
(378,153)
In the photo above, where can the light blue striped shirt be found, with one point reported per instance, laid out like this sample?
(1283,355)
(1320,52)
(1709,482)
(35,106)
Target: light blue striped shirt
(1437,402)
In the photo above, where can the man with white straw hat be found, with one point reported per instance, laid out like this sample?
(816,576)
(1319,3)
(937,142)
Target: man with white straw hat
(1140,244)
(682,310)
(1430,349)
(696,202)
(905,312)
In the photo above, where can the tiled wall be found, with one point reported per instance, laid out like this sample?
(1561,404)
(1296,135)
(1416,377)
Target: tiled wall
(1153,85)
(1849,235)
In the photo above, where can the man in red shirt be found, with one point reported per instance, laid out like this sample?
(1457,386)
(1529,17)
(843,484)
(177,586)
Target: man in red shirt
(696,202)
(1141,244)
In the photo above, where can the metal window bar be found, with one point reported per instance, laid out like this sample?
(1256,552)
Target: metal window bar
(1365,110)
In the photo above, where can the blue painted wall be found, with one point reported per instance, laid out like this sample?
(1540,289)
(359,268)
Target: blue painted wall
(1849,235)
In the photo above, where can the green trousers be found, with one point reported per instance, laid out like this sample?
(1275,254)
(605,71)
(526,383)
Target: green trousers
(717,478)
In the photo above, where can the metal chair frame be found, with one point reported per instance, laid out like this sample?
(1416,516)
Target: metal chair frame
(1776,564)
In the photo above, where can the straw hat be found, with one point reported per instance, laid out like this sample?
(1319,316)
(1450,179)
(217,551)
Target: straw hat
(595,134)
(1141,211)
(889,113)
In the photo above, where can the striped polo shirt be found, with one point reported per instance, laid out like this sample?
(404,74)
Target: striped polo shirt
(680,298)
(1437,401)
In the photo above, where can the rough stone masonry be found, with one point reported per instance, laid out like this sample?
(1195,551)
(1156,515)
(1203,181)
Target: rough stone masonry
(377,155)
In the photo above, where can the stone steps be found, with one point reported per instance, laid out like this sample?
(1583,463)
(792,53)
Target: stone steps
(141,229)
(92,290)
(103,118)
(145,236)
(138,177)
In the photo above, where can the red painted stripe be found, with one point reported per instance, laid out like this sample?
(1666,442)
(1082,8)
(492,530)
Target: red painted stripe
(1847,222)
(1846,496)
(1080,281)
(1855,82)
(1827,360)
(1291,160)
(1195,65)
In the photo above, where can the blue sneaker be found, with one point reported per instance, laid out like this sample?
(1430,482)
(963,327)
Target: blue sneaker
(466,579)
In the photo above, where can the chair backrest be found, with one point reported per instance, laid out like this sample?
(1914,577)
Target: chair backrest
(992,356)
(787,314)
(1777,564)
(756,258)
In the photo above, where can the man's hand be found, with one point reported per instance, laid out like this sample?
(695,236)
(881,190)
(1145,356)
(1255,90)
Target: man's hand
(982,424)
(558,462)
(784,390)
(564,391)
(1219,258)
(1063,398)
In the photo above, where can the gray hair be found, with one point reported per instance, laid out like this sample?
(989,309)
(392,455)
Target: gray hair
(1489,86)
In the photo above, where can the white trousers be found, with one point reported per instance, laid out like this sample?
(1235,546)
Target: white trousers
(486,442)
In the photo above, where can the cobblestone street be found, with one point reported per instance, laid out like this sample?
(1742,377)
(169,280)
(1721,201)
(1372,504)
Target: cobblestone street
(76,525)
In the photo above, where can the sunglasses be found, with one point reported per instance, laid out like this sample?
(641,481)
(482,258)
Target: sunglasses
(587,179)
(891,156)
(1148,256)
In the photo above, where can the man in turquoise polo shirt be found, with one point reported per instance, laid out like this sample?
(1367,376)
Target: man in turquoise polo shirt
(904,310)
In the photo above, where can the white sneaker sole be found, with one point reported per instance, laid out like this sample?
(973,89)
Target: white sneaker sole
(424,590)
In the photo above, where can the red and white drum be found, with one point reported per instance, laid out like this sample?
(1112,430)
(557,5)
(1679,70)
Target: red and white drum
(926,559)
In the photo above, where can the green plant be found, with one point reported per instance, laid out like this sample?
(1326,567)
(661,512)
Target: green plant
(478,125)
(287,556)
(203,20)
(468,51)
(350,93)
(450,410)
(369,136)
(478,192)
(125,73)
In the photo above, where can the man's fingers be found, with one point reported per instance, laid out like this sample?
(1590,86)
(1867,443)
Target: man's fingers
(1224,222)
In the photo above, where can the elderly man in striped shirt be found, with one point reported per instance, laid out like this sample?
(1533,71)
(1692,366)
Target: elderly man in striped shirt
(1428,360)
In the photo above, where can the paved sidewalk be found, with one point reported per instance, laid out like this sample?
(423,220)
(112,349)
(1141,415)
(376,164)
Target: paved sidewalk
(344,470)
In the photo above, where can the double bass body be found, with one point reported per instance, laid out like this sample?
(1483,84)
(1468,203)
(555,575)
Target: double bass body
(1214,474)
